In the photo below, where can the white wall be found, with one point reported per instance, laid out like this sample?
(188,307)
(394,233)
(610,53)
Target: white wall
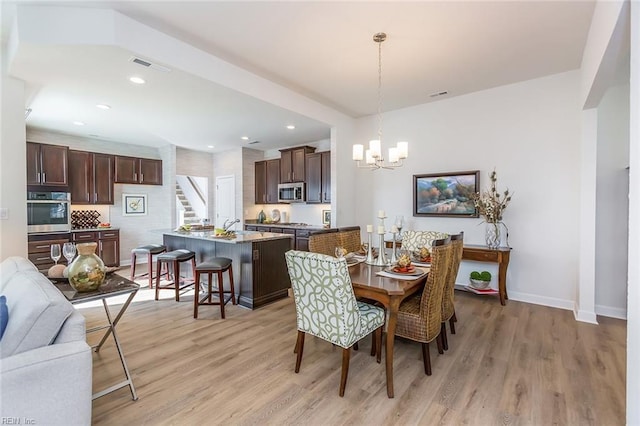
(530,133)
(226,164)
(612,189)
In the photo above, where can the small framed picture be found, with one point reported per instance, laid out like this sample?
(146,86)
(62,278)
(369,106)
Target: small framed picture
(134,204)
(326,217)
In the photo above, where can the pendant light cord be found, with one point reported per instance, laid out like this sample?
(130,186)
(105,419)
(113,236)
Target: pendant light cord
(380,92)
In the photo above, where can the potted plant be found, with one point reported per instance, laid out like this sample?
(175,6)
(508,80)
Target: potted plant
(480,280)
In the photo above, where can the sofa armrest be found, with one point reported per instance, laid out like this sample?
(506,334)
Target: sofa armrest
(50,385)
(73,329)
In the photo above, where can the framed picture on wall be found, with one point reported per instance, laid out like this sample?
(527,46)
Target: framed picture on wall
(326,217)
(134,204)
(446,194)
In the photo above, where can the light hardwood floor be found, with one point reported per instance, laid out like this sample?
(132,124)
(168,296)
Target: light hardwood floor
(518,364)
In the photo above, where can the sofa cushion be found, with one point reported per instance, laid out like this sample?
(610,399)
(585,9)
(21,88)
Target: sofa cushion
(4,315)
(37,310)
(10,266)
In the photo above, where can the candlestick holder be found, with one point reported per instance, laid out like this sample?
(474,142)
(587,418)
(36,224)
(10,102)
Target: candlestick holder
(370,259)
(382,257)
(394,258)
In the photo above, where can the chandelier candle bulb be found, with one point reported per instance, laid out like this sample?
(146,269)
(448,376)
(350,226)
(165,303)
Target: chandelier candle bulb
(381,214)
(374,147)
(358,152)
(393,155)
(380,229)
(403,150)
(369,157)
(369,228)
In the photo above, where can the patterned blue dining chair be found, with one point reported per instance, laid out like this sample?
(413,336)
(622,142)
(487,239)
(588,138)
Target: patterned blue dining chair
(327,308)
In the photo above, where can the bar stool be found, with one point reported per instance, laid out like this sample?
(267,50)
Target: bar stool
(149,250)
(174,258)
(217,265)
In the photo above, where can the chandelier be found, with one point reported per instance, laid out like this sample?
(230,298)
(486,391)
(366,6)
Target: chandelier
(373,156)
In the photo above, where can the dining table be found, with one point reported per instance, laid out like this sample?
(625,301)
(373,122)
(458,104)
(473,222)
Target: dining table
(390,292)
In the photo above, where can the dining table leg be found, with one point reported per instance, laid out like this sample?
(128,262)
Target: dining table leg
(394,305)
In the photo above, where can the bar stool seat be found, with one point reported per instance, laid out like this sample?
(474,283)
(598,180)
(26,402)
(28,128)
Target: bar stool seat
(217,265)
(150,250)
(174,258)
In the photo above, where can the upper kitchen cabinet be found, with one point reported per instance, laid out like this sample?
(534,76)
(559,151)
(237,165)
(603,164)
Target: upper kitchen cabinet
(292,164)
(267,177)
(318,177)
(47,165)
(91,177)
(138,170)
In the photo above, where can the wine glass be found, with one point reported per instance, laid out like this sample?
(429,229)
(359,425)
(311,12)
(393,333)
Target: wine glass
(55,252)
(69,252)
(399,223)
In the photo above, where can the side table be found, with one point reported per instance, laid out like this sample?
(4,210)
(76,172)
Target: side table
(500,256)
(114,285)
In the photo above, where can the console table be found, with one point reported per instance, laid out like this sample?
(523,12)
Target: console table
(480,253)
(500,256)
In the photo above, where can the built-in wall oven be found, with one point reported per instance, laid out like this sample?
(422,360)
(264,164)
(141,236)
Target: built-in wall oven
(48,212)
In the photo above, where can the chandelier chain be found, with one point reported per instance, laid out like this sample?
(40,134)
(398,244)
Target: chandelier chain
(380,91)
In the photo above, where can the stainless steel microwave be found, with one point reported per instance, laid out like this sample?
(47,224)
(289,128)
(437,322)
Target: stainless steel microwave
(291,192)
(48,212)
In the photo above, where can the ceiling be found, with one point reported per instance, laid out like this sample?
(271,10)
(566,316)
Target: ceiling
(322,50)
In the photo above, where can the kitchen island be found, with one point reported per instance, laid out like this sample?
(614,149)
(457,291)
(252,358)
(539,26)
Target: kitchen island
(259,268)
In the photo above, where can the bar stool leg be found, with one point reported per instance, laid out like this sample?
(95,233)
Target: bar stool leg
(209,283)
(150,263)
(196,298)
(158,278)
(221,292)
(133,265)
(176,278)
(233,292)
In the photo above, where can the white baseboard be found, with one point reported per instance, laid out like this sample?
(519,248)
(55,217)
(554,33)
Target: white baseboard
(541,300)
(611,312)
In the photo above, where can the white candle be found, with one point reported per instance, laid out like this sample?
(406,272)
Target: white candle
(380,229)
(369,228)
(394,229)
(381,214)
(358,151)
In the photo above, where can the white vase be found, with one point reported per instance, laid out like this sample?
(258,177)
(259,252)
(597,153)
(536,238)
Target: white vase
(492,234)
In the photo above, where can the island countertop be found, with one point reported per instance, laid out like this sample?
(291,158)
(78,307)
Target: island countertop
(241,237)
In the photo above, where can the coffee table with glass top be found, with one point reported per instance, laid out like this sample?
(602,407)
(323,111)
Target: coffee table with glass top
(114,285)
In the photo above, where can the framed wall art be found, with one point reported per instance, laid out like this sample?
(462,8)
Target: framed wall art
(134,204)
(326,217)
(446,194)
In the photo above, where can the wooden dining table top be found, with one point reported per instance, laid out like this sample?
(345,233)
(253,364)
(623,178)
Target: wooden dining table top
(364,276)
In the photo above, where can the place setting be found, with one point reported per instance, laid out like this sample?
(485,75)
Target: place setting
(404,268)
(352,259)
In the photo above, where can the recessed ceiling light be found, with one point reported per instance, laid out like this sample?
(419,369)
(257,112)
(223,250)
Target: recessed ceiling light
(210,146)
(245,138)
(291,127)
(137,80)
(78,123)
(103,106)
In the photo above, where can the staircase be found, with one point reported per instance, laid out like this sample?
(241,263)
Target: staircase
(189,215)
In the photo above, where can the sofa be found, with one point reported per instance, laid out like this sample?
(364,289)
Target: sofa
(45,362)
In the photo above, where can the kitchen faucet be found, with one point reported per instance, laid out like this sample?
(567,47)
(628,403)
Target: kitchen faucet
(228,225)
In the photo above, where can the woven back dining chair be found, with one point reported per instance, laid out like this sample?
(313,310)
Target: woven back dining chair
(448,307)
(349,238)
(419,317)
(324,241)
(327,308)
(415,240)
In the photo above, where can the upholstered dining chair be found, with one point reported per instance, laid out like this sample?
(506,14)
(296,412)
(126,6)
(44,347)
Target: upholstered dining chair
(415,240)
(448,307)
(327,308)
(324,241)
(419,317)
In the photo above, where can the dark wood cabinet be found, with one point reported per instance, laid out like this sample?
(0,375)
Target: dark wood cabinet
(91,177)
(302,239)
(109,247)
(39,249)
(267,178)
(138,170)
(108,242)
(318,177)
(47,165)
(293,164)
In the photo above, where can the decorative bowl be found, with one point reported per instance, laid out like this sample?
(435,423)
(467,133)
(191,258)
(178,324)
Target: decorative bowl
(479,284)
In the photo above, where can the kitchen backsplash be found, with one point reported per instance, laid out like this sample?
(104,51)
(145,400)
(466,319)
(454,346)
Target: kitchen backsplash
(83,217)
